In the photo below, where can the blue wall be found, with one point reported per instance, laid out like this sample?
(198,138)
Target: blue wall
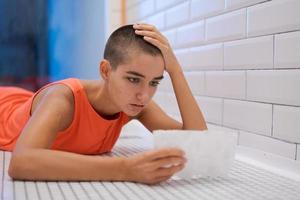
(23,43)
(76,38)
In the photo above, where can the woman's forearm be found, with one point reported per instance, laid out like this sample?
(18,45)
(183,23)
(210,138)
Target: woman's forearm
(44,164)
(191,114)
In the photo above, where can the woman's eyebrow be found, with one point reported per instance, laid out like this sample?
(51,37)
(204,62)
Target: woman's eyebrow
(143,76)
(135,73)
(159,78)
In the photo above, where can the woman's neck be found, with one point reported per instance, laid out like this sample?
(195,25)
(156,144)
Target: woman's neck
(101,101)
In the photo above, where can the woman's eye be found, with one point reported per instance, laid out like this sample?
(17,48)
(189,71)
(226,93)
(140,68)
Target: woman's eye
(133,80)
(154,83)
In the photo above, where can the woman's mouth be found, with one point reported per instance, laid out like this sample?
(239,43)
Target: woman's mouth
(136,108)
(137,105)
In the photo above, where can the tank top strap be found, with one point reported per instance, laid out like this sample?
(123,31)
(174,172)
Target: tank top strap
(73,83)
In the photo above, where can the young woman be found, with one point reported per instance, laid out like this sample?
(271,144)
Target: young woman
(55,132)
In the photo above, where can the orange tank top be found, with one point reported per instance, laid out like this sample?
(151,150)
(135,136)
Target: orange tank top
(88,133)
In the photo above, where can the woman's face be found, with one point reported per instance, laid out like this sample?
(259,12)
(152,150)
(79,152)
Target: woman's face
(132,85)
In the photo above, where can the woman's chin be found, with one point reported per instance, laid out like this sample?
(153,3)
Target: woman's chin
(132,112)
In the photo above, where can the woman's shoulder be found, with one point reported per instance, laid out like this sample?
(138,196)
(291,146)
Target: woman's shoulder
(91,87)
(90,84)
(58,91)
(70,85)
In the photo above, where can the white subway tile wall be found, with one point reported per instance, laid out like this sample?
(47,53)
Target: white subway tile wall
(286,123)
(241,59)
(229,26)
(191,34)
(273,17)
(165,84)
(196,81)
(166,4)
(171,36)
(168,102)
(274,86)
(212,108)
(146,8)
(211,57)
(234,4)
(158,20)
(298,152)
(177,15)
(229,84)
(205,8)
(250,116)
(287,50)
(183,57)
(267,144)
(253,53)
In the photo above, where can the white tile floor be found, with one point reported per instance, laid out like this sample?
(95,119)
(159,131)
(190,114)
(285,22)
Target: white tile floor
(244,182)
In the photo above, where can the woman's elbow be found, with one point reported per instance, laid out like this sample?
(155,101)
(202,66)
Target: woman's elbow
(196,127)
(19,167)
(12,170)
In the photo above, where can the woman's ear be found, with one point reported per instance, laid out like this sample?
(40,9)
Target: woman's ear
(105,69)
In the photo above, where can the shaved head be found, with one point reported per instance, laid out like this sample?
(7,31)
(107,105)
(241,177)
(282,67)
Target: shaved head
(123,44)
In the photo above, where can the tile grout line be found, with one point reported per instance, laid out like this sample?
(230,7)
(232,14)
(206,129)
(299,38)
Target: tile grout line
(73,191)
(138,149)
(108,190)
(37,190)
(50,192)
(98,193)
(134,192)
(25,189)
(14,190)
(235,99)
(121,192)
(272,124)
(2,178)
(62,193)
(273,61)
(84,190)
(296,154)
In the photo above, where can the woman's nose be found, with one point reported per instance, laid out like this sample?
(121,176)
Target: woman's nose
(143,95)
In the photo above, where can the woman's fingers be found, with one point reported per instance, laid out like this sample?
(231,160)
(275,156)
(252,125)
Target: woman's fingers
(156,43)
(152,34)
(160,179)
(144,26)
(151,31)
(155,166)
(163,172)
(168,161)
(164,152)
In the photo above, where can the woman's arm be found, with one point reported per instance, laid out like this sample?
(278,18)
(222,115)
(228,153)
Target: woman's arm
(33,159)
(45,164)
(192,118)
(50,165)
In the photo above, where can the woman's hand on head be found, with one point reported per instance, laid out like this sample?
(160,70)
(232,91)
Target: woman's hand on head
(153,36)
(154,166)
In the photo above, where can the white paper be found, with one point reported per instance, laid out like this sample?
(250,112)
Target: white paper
(209,153)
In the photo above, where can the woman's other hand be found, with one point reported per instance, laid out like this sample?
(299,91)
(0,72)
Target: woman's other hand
(153,36)
(154,166)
